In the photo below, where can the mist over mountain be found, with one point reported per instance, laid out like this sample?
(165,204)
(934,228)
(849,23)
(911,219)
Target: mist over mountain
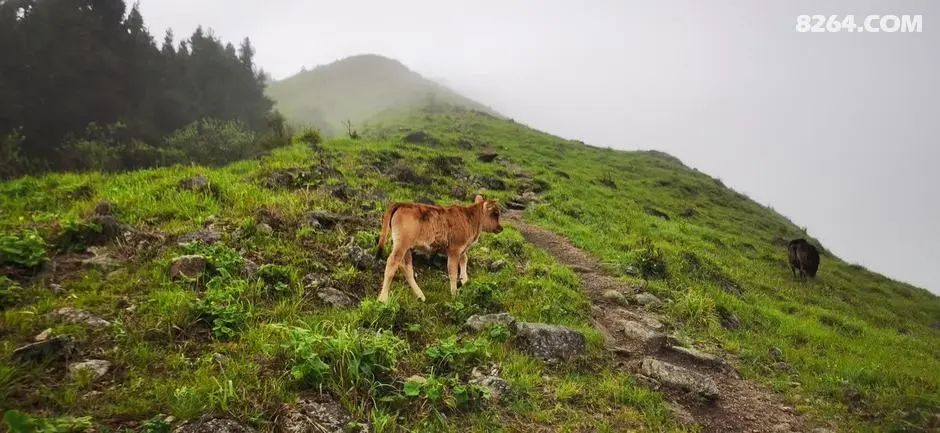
(356,88)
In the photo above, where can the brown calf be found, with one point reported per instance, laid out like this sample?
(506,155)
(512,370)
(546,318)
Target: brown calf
(434,229)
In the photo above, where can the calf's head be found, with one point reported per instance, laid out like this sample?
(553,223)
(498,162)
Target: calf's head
(490,222)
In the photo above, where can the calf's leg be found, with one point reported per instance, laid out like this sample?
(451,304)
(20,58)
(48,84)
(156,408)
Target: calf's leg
(391,267)
(464,277)
(453,268)
(409,269)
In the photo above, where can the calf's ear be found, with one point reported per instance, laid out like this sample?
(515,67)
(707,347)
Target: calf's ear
(478,199)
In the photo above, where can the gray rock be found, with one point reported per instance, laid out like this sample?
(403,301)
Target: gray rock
(679,377)
(44,335)
(213,425)
(650,339)
(496,265)
(52,349)
(250,269)
(80,317)
(615,297)
(633,271)
(313,282)
(188,267)
(487,155)
(699,356)
(109,228)
(197,183)
(312,416)
(102,263)
(776,354)
(498,387)
(647,299)
(335,298)
(550,343)
(481,322)
(97,368)
(265,229)
(57,289)
(207,236)
(104,208)
(362,259)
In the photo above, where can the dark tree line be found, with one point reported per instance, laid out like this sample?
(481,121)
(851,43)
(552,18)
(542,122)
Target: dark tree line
(70,67)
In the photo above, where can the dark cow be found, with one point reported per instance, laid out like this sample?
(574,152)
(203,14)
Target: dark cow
(803,257)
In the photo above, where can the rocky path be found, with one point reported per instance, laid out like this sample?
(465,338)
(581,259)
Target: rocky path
(703,388)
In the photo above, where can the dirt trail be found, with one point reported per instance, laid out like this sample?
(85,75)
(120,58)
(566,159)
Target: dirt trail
(703,388)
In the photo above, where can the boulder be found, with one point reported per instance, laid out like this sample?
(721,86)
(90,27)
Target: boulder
(313,416)
(678,377)
(213,425)
(481,322)
(80,317)
(550,343)
(650,339)
(188,267)
(96,368)
(647,300)
(499,388)
(206,236)
(197,183)
(615,296)
(487,155)
(51,349)
(335,298)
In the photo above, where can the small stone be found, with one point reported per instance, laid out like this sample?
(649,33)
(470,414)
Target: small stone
(308,416)
(482,322)
(51,349)
(649,338)
(44,335)
(197,183)
(335,298)
(188,267)
(95,367)
(679,377)
(213,425)
(250,269)
(57,289)
(776,354)
(264,229)
(550,343)
(615,297)
(362,259)
(632,271)
(496,265)
(497,387)
(102,263)
(206,236)
(647,299)
(82,317)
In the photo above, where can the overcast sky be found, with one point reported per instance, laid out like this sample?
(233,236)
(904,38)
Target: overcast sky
(840,132)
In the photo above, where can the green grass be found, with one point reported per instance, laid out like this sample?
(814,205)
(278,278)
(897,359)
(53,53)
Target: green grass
(241,347)
(861,349)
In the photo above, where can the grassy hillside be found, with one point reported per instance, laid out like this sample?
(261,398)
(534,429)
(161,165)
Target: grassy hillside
(357,88)
(852,349)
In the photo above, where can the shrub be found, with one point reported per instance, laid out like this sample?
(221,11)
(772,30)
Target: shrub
(276,278)
(309,136)
(650,260)
(9,292)
(450,354)
(26,249)
(347,359)
(213,142)
(12,161)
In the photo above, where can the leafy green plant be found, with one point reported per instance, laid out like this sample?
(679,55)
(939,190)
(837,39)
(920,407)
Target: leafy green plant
(19,422)
(474,298)
(650,260)
(221,258)
(26,249)
(345,359)
(222,307)
(379,315)
(9,292)
(276,278)
(444,392)
(451,354)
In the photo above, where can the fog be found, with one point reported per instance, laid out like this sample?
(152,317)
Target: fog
(840,132)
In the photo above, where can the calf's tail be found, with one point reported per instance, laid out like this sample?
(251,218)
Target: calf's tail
(386,228)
